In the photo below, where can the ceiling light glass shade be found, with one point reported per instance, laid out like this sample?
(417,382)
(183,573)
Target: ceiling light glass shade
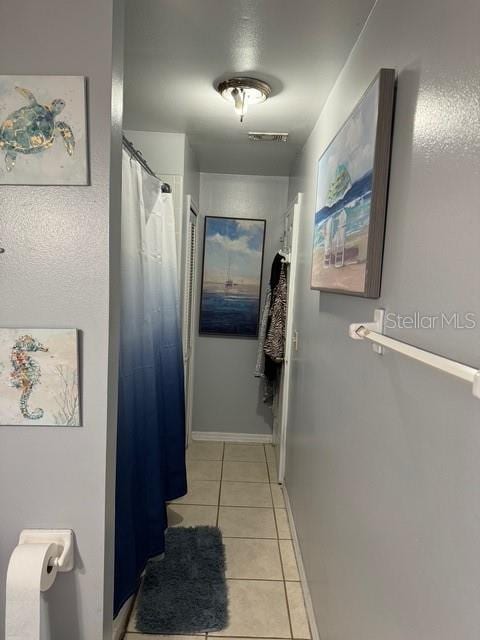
(241,102)
(244,91)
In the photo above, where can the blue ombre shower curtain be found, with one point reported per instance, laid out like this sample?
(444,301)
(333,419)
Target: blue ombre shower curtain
(151,417)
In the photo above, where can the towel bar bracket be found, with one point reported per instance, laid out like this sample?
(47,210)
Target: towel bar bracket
(476,385)
(356,330)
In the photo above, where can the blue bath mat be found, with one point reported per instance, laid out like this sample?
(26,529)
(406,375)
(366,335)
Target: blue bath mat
(186,591)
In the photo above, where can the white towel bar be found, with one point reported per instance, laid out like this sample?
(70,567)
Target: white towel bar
(373,331)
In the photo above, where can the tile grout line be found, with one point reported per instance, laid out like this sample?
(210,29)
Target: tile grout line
(232,481)
(274,472)
(256,580)
(218,504)
(218,499)
(235,506)
(204,459)
(280,551)
(249,481)
(255,637)
(226,460)
(200,635)
(242,460)
(215,504)
(220,487)
(248,538)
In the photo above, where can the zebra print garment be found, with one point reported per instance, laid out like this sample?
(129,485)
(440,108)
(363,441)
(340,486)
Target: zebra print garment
(262,335)
(275,341)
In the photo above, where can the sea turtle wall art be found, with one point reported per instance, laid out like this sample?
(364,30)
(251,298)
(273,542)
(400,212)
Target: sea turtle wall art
(43,137)
(39,377)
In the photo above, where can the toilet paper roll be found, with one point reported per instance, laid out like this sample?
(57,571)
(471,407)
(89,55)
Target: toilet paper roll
(30,572)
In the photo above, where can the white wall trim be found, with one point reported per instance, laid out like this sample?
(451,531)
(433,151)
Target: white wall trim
(291,240)
(301,569)
(220,436)
(121,621)
(189,341)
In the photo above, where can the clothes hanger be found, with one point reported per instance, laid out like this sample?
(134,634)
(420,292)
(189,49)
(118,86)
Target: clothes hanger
(285,256)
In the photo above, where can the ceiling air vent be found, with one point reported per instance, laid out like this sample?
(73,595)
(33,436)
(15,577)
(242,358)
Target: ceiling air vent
(267,136)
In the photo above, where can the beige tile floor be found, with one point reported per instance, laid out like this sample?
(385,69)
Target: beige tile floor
(233,486)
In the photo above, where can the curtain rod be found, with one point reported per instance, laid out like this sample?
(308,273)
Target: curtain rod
(141,160)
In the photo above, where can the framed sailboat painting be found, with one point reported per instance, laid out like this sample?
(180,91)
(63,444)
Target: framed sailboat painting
(231,276)
(352,185)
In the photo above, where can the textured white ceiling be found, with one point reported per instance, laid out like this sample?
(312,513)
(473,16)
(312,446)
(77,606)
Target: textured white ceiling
(176,50)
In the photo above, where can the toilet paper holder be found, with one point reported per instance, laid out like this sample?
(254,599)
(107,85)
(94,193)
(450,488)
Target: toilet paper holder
(63,538)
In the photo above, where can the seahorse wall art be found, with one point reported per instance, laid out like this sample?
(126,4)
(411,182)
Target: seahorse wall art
(26,373)
(39,377)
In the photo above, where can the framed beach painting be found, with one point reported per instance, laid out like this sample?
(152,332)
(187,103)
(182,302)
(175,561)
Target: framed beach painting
(43,134)
(232,276)
(39,377)
(351,202)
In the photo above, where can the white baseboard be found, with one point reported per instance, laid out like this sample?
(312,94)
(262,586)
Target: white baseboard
(220,436)
(121,621)
(301,569)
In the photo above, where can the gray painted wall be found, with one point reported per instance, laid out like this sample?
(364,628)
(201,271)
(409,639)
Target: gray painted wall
(383,464)
(227,396)
(191,173)
(60,270)
(165,152)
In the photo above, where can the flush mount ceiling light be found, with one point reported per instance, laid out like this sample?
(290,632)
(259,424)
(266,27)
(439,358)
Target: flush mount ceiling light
(242,92)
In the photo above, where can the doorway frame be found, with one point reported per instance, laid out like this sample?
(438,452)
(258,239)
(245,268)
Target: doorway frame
(280,436)
(188,333)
